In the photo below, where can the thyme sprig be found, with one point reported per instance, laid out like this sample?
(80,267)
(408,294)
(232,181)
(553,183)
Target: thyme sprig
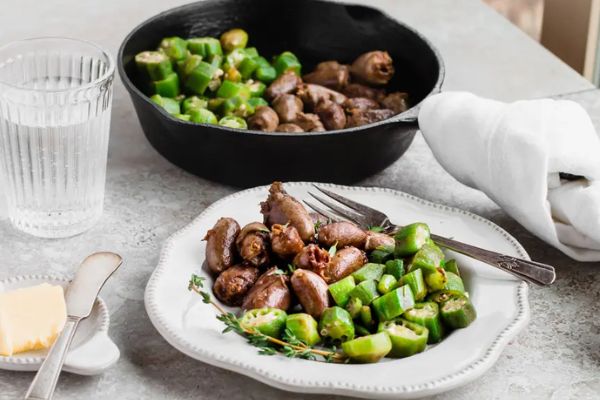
(290,346)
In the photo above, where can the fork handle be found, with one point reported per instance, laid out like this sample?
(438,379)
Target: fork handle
(531,271)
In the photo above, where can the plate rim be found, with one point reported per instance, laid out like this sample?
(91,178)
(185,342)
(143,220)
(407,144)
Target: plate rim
(104,320)
(467,374)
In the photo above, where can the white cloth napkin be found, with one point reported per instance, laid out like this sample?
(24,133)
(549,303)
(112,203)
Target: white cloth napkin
(513,152)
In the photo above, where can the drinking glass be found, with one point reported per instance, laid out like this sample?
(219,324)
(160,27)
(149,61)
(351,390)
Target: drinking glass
(55,104)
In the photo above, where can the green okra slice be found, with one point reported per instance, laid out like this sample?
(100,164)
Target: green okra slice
(386,284)
(410,239)
(198,79)
(428,315)
(215,104)
(457,312)
(394,303)
(170,105)
(174,47)
(216,61)
(257,89)
(268,321)
(416,282)
(366,291)
(336,324)
(183,117)
(407,338)
(232,74)
(230,89)
(234,39)
(369,271)
(255,102)
(353,306)
(202,116)
(194,102)
(251,52)
(287,61)
(452,266)
(454,282)
(304,327)
(265,74)
(235,58)
(179,66)
(232,121)
(168,87)
(429,258)
(185,67)
(262,62)
(442,296)
(395,268)
(340,290)
(381,256)
(236,106)
(366,316)
(436,280)
(206,47)
(153,65)
(368,349)
(247,67)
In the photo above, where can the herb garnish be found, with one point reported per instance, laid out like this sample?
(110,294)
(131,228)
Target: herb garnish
(290,346)
(333,249)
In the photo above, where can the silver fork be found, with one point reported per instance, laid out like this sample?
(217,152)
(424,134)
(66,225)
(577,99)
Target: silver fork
(530,271)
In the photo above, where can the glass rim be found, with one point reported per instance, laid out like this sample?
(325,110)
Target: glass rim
(107,74)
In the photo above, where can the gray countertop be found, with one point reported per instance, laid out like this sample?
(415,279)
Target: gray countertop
(556,357)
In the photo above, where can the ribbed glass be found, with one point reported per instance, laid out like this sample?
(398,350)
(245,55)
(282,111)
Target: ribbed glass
(55,103)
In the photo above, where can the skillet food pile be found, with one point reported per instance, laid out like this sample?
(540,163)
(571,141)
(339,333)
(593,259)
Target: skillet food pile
(223,82)
(302,281)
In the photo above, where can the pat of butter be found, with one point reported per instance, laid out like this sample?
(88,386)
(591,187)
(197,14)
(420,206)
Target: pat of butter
(31,318)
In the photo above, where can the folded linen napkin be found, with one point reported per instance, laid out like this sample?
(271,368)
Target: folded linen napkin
(514,152)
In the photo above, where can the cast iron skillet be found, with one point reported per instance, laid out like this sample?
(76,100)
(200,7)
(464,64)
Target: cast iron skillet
(315,31)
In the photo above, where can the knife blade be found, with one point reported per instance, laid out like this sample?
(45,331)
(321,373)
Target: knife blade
(93,272)
(80,297)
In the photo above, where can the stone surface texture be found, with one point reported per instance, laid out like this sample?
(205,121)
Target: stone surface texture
(557,357)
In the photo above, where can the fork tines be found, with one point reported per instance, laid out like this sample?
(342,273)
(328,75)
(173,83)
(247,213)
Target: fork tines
(321,211)
(340,211)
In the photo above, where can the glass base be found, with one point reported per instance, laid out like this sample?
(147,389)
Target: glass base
(53,225)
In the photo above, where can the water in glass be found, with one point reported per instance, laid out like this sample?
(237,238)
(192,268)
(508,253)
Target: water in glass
(55,101)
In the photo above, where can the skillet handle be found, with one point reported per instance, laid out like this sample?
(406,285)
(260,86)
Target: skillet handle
(409,116)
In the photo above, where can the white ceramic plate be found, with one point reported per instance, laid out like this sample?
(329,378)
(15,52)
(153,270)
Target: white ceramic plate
(91,352)
(501,302)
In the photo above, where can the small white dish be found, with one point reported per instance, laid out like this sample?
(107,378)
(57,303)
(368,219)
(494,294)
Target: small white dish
(501,302)
(91,352)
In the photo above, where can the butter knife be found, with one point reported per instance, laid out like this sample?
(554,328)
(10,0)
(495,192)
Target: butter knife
(80,297)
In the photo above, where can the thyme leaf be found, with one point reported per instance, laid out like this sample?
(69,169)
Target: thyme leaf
(318,225)
(279,272)
(333,250)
